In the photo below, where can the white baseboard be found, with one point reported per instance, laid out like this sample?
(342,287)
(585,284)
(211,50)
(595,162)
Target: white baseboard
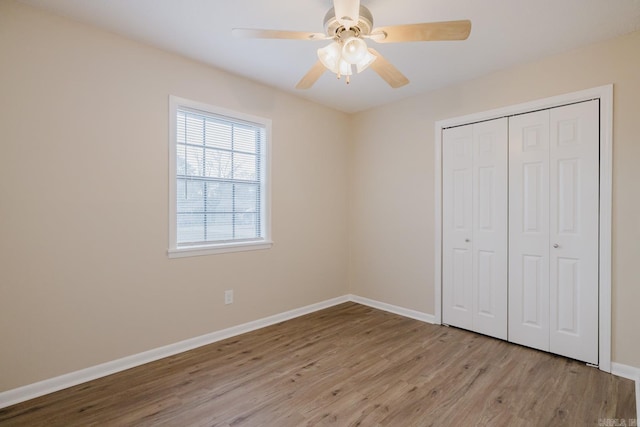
(417,315)
(31,391)
(632,373)
(625,371)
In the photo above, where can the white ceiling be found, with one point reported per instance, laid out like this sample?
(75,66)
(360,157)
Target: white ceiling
(504,33)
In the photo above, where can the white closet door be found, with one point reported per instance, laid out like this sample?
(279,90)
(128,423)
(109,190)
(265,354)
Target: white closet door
(475,227)
(553,230)
(457,223)
(574,201)
(529,229)
(489,241)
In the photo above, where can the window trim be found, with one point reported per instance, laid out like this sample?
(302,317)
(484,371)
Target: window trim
(176,251)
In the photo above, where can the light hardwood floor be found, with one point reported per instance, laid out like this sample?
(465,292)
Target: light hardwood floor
(348,365)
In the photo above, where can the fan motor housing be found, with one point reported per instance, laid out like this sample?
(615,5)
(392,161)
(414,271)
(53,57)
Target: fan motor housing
(333,28)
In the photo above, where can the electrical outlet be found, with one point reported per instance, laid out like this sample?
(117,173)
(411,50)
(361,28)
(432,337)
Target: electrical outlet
(228,296)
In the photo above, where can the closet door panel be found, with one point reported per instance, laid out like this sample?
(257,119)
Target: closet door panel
(529,229)
(489,241)
(574,202)
(457,223)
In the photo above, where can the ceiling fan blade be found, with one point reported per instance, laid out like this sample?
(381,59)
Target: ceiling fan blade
(253,33)
(347,12)
(428,31)
(312,76)
(387,71)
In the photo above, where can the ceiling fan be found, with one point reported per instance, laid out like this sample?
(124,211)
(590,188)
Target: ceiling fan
(348,24)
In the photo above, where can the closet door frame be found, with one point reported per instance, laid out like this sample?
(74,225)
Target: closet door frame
(605,95)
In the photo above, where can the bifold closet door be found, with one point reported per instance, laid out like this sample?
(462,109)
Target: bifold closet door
(457,226)
(553,236)
(475,227)
(529,229)
(574,169)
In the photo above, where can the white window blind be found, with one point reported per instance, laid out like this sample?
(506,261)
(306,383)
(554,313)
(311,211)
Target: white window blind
(219,179)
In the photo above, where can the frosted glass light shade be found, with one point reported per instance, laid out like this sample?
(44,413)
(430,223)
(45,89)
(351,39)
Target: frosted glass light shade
(354,50)
(345,68)
(364,63)
(331,58)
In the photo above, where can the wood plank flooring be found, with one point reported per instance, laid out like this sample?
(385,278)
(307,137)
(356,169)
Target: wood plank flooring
(348,365)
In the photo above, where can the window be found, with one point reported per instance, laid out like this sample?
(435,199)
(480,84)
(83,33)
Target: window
(219,194)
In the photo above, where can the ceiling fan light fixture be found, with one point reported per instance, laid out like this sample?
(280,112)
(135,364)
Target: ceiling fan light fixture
(330,55)
(344,69)
(364,63)
(354,50)
(331,58)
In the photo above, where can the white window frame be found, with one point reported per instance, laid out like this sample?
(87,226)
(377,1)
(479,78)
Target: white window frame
(176,251)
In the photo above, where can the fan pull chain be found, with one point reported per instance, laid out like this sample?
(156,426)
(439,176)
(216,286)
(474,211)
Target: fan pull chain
(347,79)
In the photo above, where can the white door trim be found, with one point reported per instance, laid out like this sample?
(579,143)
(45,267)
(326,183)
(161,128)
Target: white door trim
(605,95)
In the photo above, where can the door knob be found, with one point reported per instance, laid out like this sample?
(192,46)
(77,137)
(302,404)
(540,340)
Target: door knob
(555,245)
(467,240)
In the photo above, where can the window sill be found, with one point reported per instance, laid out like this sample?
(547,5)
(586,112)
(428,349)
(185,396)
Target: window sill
(189,251)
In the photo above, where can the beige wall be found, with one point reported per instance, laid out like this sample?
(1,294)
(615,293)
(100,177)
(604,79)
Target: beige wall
(392,192)
(84,275)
